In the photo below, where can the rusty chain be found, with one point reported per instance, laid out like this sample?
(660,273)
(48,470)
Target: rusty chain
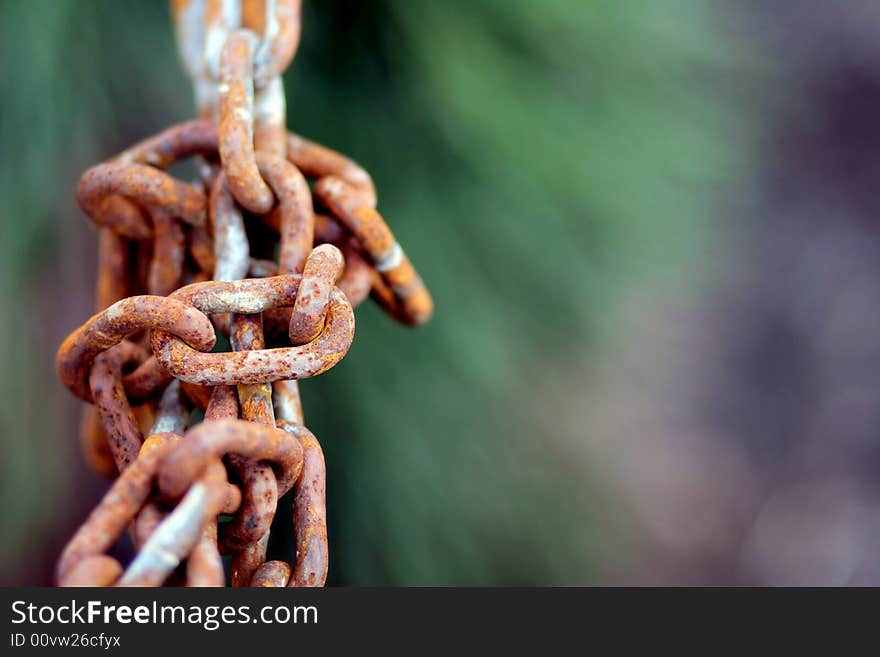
(180,264)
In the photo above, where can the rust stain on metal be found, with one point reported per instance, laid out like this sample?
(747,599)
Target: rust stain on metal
(322,269)
(173,258)
(272,574)
(260,485)
(236,124)
(141,184)
(309,511)
(123,318)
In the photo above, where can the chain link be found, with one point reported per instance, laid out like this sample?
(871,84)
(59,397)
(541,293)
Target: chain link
(173,262)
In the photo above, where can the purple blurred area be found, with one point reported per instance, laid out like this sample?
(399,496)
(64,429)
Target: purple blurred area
(746,444)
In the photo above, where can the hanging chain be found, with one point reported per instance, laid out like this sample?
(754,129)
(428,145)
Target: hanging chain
(241,254)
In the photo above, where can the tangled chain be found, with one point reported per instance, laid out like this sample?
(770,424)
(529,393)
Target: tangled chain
(239,254)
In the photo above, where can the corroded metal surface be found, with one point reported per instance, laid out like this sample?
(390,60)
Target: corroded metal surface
(272,574)
(173,262)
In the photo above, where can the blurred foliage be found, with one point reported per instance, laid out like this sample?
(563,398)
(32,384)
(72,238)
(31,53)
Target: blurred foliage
(535,159)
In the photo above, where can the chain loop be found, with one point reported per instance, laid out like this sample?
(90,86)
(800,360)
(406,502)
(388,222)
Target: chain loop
(173,258)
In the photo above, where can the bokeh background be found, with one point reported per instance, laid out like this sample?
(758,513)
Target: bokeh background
(651,231)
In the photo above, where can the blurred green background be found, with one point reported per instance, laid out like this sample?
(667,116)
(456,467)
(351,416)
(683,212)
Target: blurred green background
(558,171)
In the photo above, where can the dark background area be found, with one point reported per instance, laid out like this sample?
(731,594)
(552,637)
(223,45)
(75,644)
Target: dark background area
(651,234)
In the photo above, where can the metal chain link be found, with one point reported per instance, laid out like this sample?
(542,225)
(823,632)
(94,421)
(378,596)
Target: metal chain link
(173,262)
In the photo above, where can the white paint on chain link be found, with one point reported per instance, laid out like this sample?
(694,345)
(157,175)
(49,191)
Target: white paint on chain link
(334,186)
(189,29)
(207,99)
(173,539)
(269,104)
(263,52)
(231,248)
(172,414)
(217,33)
(390,260)
(116,311)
